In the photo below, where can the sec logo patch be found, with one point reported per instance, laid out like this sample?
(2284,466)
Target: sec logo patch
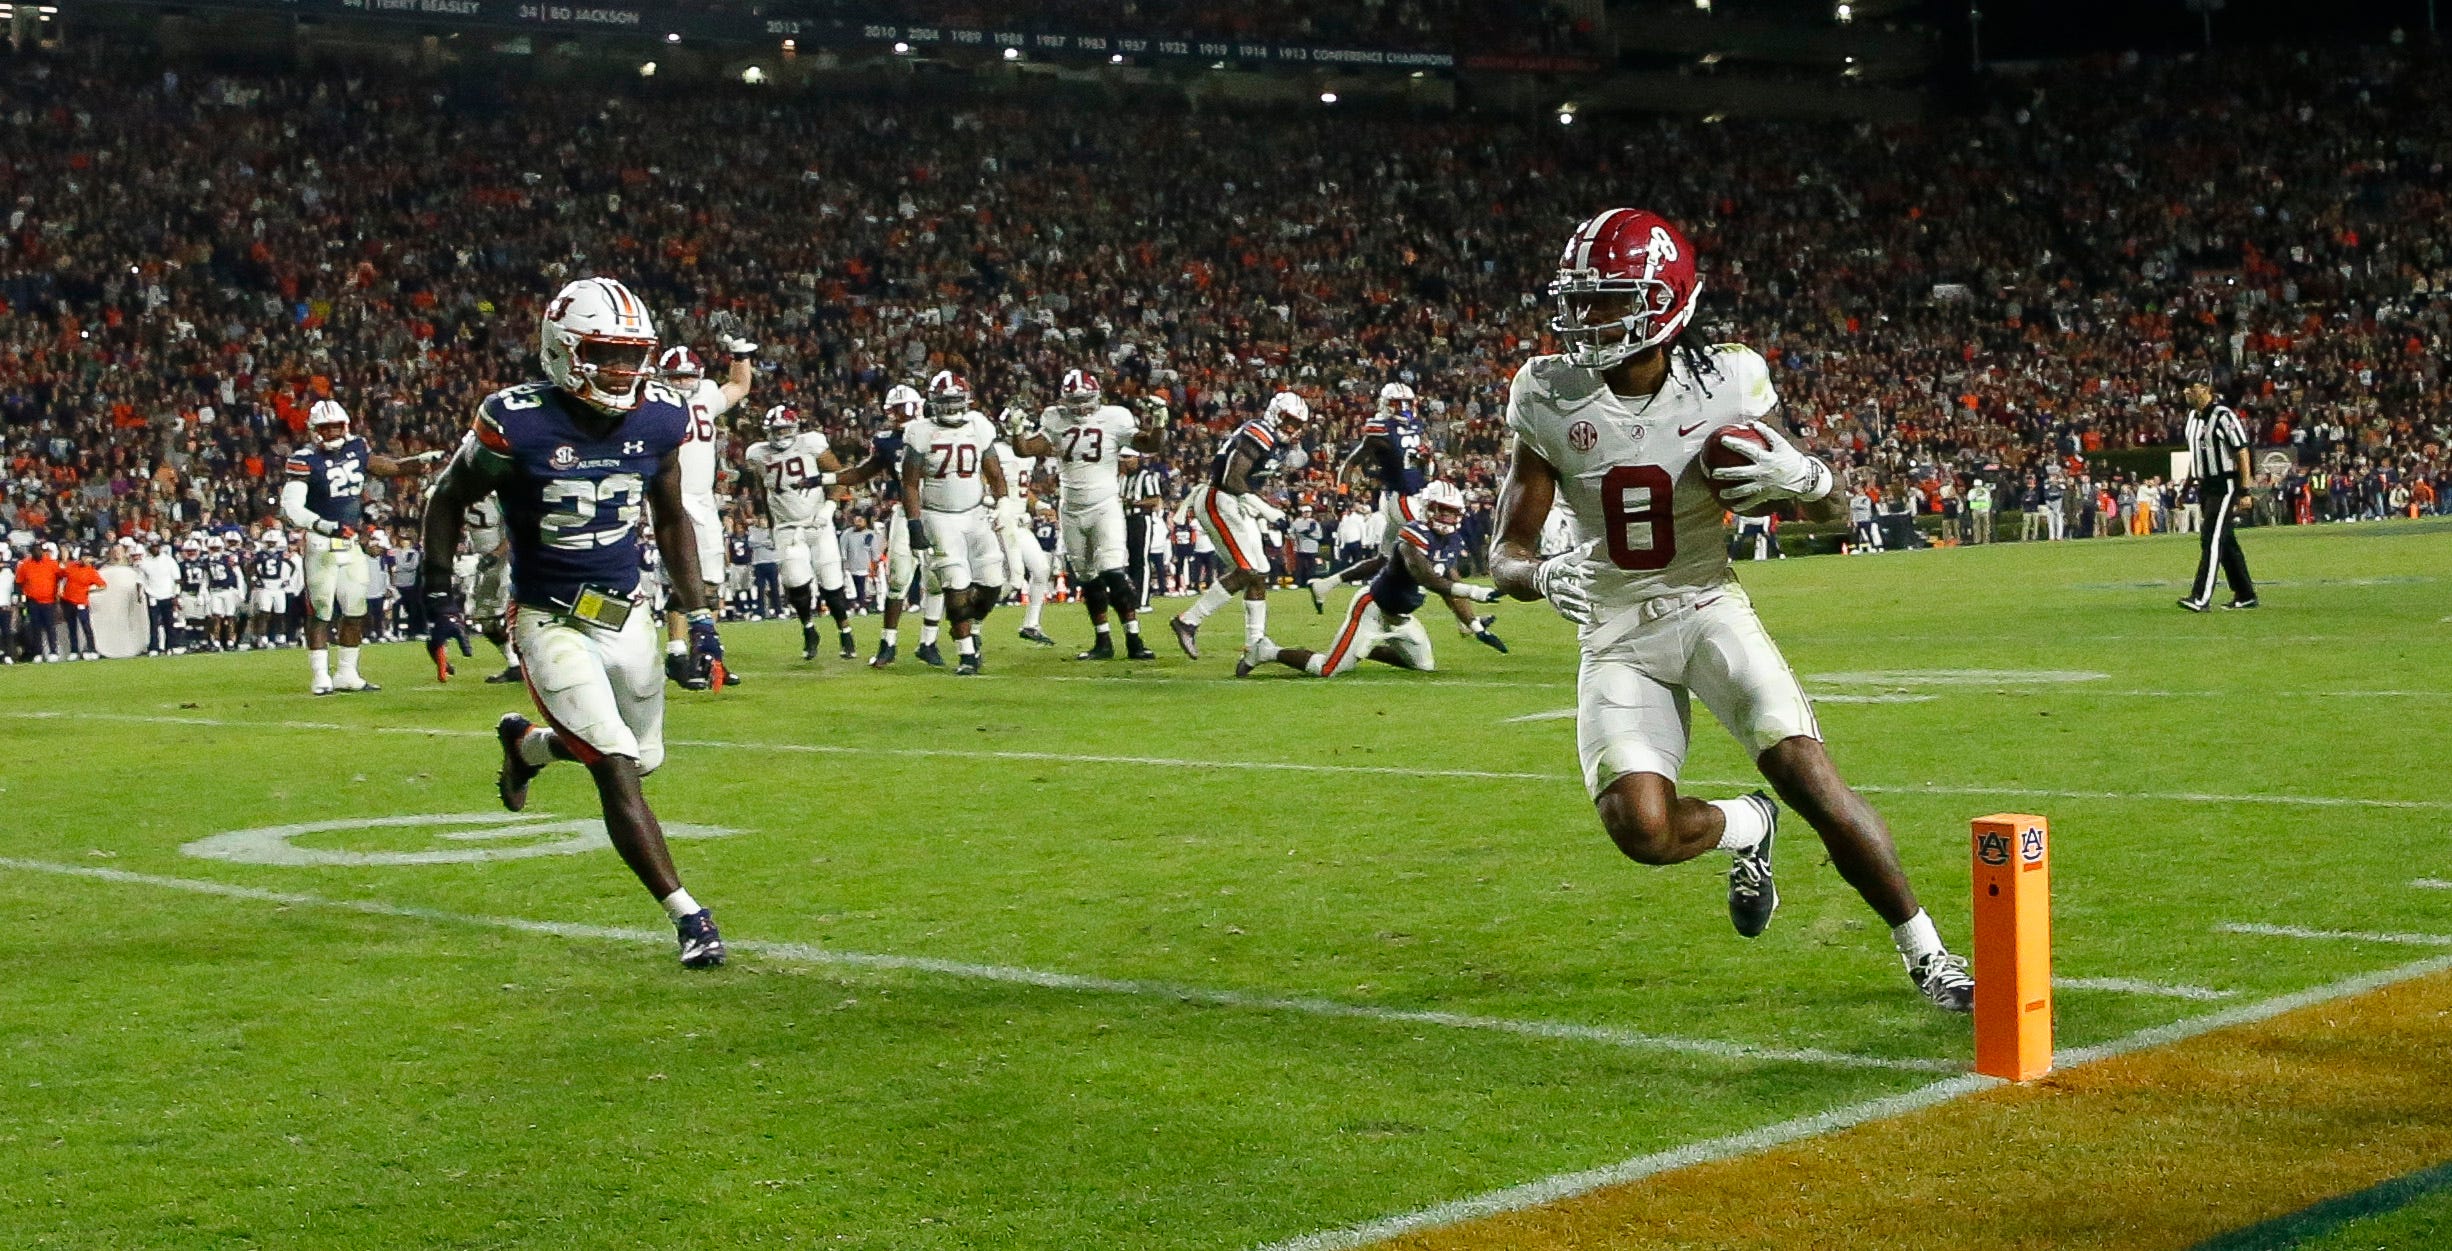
(564,457)
(1582,435)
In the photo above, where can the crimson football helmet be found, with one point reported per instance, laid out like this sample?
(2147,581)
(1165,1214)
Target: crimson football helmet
(1080,394)
(782,425)
(949,398)
(681,363)
(1625,255)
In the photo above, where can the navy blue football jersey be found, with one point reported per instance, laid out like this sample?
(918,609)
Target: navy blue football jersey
(888,485)
(271,568)
(572,499)
(1396,590)
(1403,464)
(1262,435)
(192,579)
(335,481)
(221,572)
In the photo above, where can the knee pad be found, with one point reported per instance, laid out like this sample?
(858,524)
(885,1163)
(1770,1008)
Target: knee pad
(1119,588)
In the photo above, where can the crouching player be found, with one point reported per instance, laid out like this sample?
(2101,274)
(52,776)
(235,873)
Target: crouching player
(1380,625)
(574,460)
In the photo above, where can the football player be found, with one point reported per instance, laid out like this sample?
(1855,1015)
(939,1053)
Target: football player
(905,580)
(1088,436)
(1617,424)
(1025,561)
(489,592)
(1230,511)
(325,496)
(1393,461)
(194,596)
(270,576)
(225,595)
(574,458)
(1380,624)
(950,468)
(707,400)
(800,473)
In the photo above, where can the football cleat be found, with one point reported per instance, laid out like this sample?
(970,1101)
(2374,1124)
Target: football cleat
(322,686)
(1943,979)
(1752,896)
(701,946)
(730,678)
(511,674)
(884,656)
(851,650)
(1244,664)
(2249,602)
(808,642)
(2194,605)
(512,782)
(1135,649)
(353,685)
(1103,649)
(1319,588)
(968,667)
(929,655)
(1034,634)
(1187,636)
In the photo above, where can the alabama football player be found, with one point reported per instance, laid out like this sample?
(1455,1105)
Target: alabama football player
(1614,428)
(489,592)
(1230,511)
(325,495)
(800,472)
(574,458)
(1380,624)
(904,580)
(949,466)
(1087,436)
(707,400)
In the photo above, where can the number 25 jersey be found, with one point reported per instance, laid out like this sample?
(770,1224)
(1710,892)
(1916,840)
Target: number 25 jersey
(571,498)
(1630,471)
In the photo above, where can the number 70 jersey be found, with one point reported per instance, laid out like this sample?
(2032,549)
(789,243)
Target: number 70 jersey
(950,460)
(571,489)
(1630,471)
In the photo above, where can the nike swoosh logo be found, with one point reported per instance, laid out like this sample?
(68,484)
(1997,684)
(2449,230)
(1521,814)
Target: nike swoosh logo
(1683,431)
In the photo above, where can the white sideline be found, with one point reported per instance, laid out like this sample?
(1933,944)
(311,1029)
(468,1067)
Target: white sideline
(2131,986)
(2431,883)
(1291,766)
(1569,1185)
(806,953)
(2355,936)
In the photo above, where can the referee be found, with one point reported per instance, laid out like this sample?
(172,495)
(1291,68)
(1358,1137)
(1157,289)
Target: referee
(1143,497)
(2218,452)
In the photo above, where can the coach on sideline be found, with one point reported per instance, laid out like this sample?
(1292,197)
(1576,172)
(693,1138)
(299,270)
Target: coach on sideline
(2218,458)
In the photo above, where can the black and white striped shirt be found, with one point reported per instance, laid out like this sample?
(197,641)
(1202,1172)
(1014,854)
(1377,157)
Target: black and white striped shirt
(1140,486)
(2215,438)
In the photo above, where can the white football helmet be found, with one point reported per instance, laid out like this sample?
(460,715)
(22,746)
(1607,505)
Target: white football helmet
(681,364)
(1289,409)
(1442,507)
(598,343)
(949,398)
(328,424)
(1396,397)
(1080,395)
(903,404)
(782,425)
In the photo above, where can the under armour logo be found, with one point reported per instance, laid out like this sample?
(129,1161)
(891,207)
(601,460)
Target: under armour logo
(634,449)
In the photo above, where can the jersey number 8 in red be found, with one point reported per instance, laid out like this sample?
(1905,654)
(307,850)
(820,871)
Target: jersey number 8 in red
(1637,508)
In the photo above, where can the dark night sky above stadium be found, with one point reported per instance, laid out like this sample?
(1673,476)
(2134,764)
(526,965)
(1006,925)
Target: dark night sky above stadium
(2017,29)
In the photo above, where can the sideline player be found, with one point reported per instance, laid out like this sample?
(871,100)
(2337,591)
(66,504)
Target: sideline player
(325,495)
(574,459)
(1380,624)
(268,581)
(707,401)
(1230,511)
(1617,424)
(949,466)
(1088,437)
(1025,561)
(799,472)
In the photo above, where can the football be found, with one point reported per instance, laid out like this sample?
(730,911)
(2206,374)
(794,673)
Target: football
(1717,454)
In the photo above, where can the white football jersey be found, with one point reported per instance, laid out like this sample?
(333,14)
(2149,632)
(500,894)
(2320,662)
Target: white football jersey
(951,480)
(1086,450)
(788,472)
(1630,472)
(484,525)
(705,403)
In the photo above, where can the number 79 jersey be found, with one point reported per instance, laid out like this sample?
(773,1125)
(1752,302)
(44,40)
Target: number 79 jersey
(1630,471)
(570,498)
(950,457)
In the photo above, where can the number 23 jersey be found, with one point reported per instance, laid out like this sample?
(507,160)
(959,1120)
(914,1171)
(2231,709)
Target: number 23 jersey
(1630,471)
(572,498)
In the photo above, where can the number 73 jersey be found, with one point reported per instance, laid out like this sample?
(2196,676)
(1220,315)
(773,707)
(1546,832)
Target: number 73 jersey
(1630,471)
(572,484)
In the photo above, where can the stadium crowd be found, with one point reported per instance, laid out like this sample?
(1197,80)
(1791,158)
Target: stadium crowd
(190,259)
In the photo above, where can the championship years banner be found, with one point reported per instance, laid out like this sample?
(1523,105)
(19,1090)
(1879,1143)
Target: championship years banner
(812,33)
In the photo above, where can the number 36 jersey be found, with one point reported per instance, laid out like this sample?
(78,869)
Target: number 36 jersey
(572,486)
(1630,471)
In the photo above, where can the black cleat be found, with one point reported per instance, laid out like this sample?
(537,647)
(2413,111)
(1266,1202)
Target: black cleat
(512,782)
(2193,605)
(968,667)
(731,677)
(1033,634)
(1751,895)
(2249,602)
(1135,649)
(701,946)
(1942,978)
(512,674)
(930,656)
(677,668)
(851,648)
(1103,649)
(884,656)
(1187,636)
(808,642)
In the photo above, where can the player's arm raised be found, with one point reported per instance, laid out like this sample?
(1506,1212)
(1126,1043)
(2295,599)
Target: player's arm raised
(737,380)
(1149,433)
(1524,501)
(1356,468)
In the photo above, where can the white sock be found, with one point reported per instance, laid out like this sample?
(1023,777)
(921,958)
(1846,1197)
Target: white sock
(319,663)
(1104,631)
(891,635)
(1317,666)
(1210,601)
(1034,598)
(1746,824)
(349,664)
(970,645)
(679,904)
(1133,627)
(1264,651)
(676,647)
(932,606)
(928,633)
(1255,621)
(536,748)
(1916,937)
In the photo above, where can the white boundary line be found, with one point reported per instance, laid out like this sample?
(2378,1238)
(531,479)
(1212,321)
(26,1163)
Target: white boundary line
(2430,883)
(1289,766)
(806,953)
(2131,986)
(2355,936)
(1570,1185)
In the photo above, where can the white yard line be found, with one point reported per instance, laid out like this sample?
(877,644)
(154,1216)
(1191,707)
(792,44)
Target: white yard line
(805,953)
(2431,883)
(1569,1185)
(1554,714)
(2131,986)
(1289,766)
(2352,936)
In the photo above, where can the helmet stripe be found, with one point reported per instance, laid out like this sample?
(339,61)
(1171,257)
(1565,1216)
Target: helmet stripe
(1592,232)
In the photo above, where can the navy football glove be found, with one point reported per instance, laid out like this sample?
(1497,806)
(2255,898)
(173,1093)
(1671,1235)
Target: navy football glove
(919,535)
(706,648)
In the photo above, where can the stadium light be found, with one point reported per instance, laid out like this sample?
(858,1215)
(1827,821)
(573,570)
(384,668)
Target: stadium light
(672,36)
(1846,14)
(1702,6)
(791,45)
(1013,54)
(753,75)
(1116,58)
(1328,97)
(1711,58)
(647,70)
(1714,119)
(901,48)
(1566,119)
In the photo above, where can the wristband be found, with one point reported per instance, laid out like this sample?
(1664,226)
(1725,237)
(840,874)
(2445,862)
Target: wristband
(700,616)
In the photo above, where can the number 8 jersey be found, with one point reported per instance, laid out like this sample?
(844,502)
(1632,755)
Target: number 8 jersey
(572,499)
(1630,471)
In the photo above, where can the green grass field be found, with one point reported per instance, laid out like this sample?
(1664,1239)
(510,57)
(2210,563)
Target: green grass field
(1141,981)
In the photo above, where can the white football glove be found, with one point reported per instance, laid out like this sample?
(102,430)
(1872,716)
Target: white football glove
(1777,472)
(1261,510)
(1154,408)
(736,345)
(1477,594)
(1565,580)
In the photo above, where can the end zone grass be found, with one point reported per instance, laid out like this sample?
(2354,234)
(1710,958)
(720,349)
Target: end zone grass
(192,1070)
